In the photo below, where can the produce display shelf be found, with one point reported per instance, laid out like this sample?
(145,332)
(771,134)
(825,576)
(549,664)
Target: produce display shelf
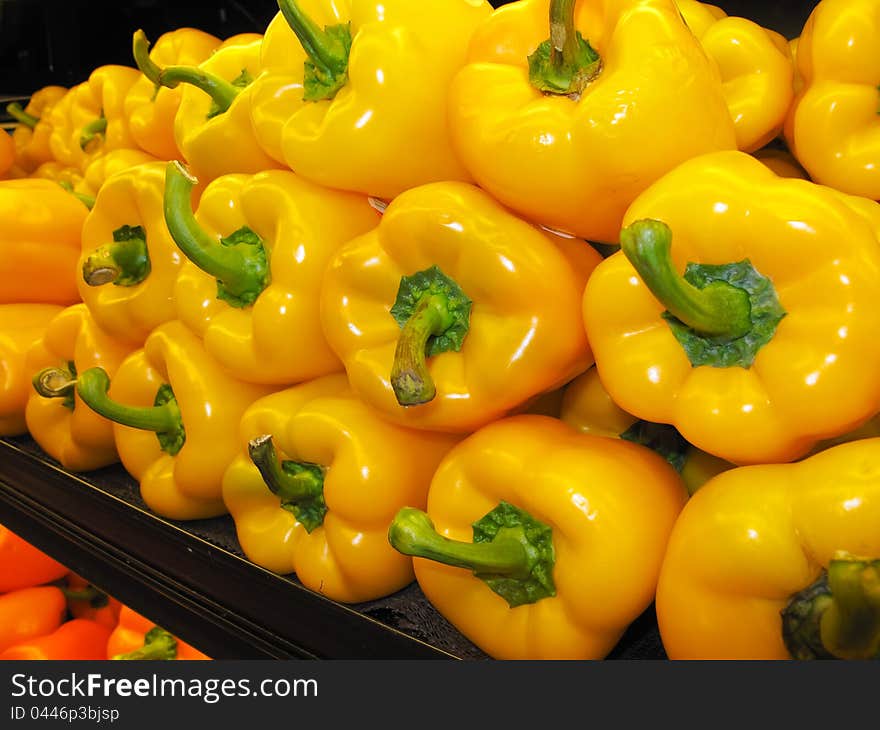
(193,579)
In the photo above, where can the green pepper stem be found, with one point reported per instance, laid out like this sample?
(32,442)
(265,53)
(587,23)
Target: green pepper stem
(410,379)
(563,36)
(125,262)
(566,63)
(92,130)
(89,594)
(54,382)
(413,533)
(291,488)
(222,92)
(315,42)
(240,269)
(92,387)
(718,310)
(17,112)
(159,645)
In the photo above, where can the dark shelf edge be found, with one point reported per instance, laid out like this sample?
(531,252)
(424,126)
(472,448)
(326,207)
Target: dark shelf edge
(213,599)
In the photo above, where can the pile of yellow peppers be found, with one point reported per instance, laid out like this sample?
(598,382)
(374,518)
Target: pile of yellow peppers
(564,310)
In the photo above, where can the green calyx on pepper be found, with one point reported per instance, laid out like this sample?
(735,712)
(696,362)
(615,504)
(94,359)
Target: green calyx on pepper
(238,261)
(163,418)
(159,645)
(722,315)
(511,552)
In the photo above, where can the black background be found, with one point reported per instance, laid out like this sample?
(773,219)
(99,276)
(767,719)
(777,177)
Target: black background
(60,41)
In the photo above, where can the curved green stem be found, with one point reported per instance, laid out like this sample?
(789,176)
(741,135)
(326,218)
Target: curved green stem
(86,200)
(125,262)
(718,310)
(326,70)
(17,112)
(410,379)
(240,267)
(512,552)
(163,418)
(300,486)
(222,92)
(92,130)
(566,63)
(159,645)
(54,382)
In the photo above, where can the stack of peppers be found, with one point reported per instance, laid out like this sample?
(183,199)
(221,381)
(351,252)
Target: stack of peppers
(48,612)
(457,295)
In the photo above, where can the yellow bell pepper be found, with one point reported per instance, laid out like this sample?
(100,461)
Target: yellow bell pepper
(22,326)
(316,483)
(67,176)
(129,262)
(40,227)
(767,343)
(778,562)
(782,162)
(587,407)
(756,70)
(540,542)
(251,288)
(31,135)
(99,170)
(832,125)
(349,87)
(568,133)
(89,120)
(453,311)
(151,111)
(57,419)
(175,417)
(212,127)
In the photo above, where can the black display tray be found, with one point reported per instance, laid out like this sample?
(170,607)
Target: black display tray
(193,578)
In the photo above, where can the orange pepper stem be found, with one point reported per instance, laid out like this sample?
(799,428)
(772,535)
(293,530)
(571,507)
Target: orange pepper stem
(300,486)
(17,112)
(718,310)
(222,92)
(159,645)
(91,131)
(566,63)
(838,616)
(410,379)
(54,382)
(125,262)
(512,552)
(326,70)
(163,417)
(238,262)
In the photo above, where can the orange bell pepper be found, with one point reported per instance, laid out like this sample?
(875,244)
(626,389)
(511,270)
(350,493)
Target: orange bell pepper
(24,566)
(136,637)
(40,227)
(86,601)
(22,326)
(30,613)
(7,153)
(59,422)
(78,639)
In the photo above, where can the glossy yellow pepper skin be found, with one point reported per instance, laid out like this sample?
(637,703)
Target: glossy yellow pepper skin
(99,170)
(31,134)
(391,105)
(126,277)
(522,333)
(200,137)
(150,112)
(370,469)
(78,133)
(832,127)
(269,332)
(814,372)
(575,164)
(752,538)
(609,506)
(180,470)
(63,426)
(756,71)
(587,407)
(23,326)
(71,177)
